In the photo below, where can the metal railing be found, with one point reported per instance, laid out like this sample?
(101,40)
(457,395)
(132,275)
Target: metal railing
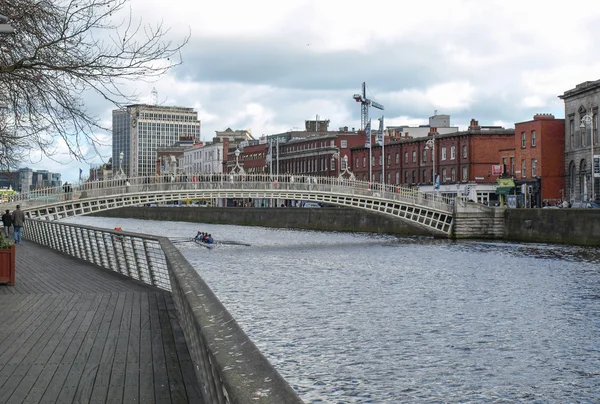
(228,365)
(134,255)
(156,184)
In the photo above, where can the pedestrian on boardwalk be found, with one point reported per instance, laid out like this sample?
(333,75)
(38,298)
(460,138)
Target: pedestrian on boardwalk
(18,218)
(7,221)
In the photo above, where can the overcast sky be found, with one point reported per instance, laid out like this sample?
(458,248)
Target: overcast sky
(270,65)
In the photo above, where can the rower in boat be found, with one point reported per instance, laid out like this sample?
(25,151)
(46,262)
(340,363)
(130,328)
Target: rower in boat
(204,238)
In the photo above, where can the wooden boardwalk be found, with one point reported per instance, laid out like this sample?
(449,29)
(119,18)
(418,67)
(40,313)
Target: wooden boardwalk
(71,332)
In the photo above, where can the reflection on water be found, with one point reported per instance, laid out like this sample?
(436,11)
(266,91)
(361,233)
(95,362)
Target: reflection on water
(362,318)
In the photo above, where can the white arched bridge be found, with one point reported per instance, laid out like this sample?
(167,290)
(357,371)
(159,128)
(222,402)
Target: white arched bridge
(426,210)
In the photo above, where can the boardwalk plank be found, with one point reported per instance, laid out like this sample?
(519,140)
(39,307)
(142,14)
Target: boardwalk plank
(176,385)
(57,344)
(75,333)
(161,386)
(51,365)
(131,392)
(146,370)
(117,375)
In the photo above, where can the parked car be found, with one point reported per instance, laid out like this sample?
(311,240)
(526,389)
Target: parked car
(311,205)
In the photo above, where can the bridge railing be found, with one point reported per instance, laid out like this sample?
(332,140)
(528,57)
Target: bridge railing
(95,189)
(229,367)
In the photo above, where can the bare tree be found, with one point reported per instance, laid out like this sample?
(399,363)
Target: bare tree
(60,51)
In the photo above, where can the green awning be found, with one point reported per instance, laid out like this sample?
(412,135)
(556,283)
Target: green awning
(504,190)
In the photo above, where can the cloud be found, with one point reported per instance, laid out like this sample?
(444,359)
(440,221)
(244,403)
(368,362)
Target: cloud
(269,65)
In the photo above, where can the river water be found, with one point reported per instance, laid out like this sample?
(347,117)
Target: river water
(363,318)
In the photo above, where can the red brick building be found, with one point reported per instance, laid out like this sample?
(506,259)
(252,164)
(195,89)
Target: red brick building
(251,158)
(464,157)
(540,157)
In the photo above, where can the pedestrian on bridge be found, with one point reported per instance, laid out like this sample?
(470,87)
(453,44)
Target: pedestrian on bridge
(7,221)
(18,218)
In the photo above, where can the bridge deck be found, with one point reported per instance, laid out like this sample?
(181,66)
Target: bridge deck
(71,332)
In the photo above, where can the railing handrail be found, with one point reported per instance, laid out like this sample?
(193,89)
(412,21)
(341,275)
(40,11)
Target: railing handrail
(236,181)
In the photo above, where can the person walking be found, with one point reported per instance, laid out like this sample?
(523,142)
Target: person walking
(18,218)
(7,221)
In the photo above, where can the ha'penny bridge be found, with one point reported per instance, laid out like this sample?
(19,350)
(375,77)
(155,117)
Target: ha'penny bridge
(426,210)
(99,315)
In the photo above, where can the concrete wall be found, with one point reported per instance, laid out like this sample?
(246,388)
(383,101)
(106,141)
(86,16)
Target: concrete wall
(562,226)
(327,219)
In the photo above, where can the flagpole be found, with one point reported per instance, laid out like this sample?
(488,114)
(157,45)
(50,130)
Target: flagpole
(382,152)
(370,154)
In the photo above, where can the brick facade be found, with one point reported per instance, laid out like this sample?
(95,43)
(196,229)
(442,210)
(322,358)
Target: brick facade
(541,142)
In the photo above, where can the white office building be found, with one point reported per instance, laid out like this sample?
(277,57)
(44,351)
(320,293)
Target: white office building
(139,130)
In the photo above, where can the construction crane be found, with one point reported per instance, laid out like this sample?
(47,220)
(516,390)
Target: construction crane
(365,103)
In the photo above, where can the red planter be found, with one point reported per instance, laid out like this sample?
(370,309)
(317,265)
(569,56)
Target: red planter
(7,265)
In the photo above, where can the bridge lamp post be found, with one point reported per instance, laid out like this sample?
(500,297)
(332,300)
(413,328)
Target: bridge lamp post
(588,120)
(336,156)
(431,145)
(238,169)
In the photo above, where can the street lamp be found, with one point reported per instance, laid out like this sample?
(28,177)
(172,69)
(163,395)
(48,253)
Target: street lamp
(588,120)
(338,157)
(237,169)
(431,145)
(120,174)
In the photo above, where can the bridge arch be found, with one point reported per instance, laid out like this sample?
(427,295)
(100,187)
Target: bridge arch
(426,210)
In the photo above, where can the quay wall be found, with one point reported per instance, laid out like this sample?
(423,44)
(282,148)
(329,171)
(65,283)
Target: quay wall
(324,219)
(559,226)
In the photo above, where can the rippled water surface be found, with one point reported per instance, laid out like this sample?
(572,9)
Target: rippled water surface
(362,318)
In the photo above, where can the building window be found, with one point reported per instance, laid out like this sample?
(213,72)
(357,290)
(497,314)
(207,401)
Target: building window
(380,158)
(443,153)
(523,169)
(397,159)
(414,157)
(344,144)
(406,157)
(364,161)
(532,138)
(424,156)
(464,174)
(356,163)
(453,174)
(406,177)
(452,152)
(523,140)
(397,176)
(533,167)
(595,126)
(444,175)
(389,160)
(389,178)
(424,176)
(504,168)
(572,132)
(512,166)
(465,151)
(372,161)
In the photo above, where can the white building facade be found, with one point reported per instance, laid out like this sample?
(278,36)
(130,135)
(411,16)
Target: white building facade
(204,159)
(139,130)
